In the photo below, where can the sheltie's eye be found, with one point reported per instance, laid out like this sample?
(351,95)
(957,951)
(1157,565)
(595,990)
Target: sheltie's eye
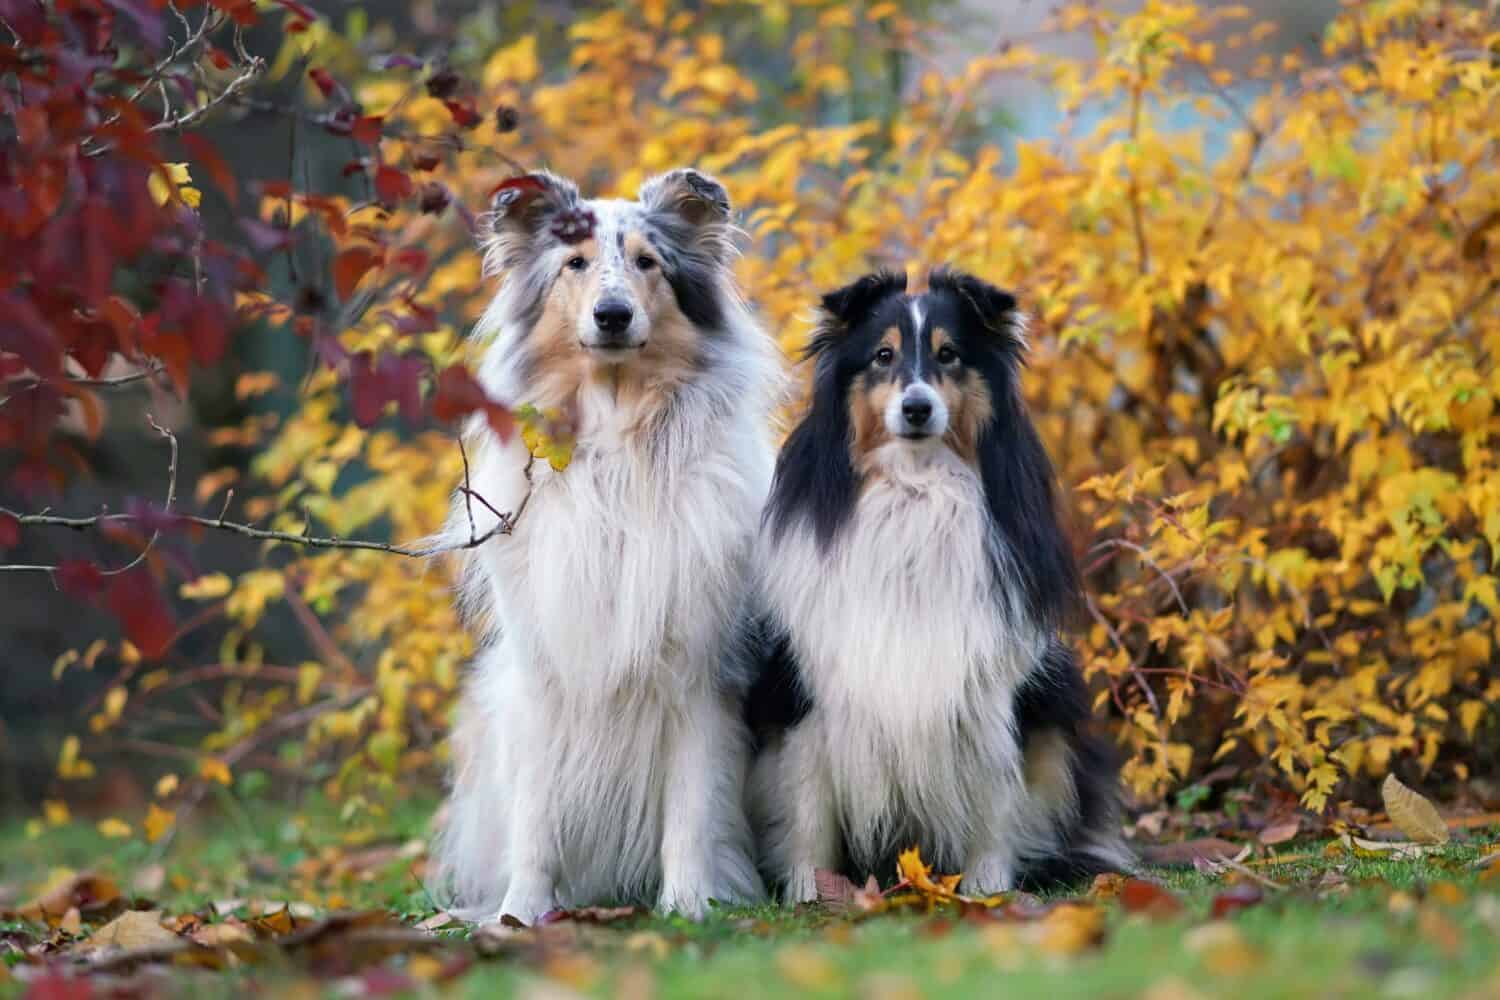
(946,355)
(884,356)
(577,263)
(644,263)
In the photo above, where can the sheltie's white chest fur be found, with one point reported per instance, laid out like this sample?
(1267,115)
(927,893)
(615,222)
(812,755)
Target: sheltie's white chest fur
(909,649)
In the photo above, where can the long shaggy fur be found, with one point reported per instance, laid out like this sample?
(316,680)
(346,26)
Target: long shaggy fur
(913,689)
(599,752)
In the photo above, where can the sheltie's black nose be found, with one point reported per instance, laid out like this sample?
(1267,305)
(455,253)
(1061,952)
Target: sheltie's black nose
(612,316)
(916,411)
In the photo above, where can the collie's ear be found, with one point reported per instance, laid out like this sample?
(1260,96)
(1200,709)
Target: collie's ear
(696,197)
(525,208)
(694,209)
(843,308)
(988,307)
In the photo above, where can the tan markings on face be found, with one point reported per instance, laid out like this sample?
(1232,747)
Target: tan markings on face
(869,395)
(670,357)
(558,360)
(967,397)
(641,384)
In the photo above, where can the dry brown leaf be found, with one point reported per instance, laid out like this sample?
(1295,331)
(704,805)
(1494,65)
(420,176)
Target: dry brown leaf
(438,919)
(834,888)
(1280,833)
(71,922)
(1070,928)
(1413,814)
(1183,853)
(84,891)
(231,931)
(1236,898)
(133,930)
(1222,949)
(1404,849)
(1140,896)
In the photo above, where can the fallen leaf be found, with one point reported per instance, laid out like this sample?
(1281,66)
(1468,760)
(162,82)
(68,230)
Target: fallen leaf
(834,888)
(1280,833)
(1413,815)
(133,930)
(438,919)
(1140,896)
(912,869)
(1070,928)
(1236,898)
(1222,949)
(1362,848)
(1183,853)
(1107,885)
(71,922)
(86,892)
(589,915)
(231,931)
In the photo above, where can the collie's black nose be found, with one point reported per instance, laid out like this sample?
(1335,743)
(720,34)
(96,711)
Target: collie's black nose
(612,316)
(916,411)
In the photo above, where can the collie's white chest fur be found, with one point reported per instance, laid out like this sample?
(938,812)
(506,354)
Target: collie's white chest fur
(621,567)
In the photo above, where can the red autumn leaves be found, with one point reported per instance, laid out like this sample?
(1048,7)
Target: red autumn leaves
(108,261)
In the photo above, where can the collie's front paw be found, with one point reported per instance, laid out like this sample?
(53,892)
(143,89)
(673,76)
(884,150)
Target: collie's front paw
(989,875)
(685,901)
(801,885)
(527,903)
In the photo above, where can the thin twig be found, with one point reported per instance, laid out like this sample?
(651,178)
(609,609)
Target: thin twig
(152,369)
(1143,254)
(166,508)
(1119,642)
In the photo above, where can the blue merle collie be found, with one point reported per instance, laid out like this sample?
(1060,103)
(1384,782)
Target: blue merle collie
(914,575)
(600,750)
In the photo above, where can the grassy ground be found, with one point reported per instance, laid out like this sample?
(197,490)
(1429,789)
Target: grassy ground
(1341,926)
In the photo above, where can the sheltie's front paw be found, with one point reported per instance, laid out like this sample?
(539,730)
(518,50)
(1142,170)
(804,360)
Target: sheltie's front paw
(801,885)
(684,900)
(527,903)
(989,874)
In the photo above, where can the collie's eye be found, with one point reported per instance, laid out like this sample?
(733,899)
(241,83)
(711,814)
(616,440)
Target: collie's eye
(946,355)
(577,263)
(884,356)
(644,263)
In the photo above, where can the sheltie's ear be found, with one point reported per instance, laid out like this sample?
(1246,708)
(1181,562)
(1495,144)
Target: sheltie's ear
(985,307)
(843,308)
(694,210)
(527,211)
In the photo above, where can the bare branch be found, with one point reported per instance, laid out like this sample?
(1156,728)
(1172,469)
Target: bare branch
(505,525)
(149,371)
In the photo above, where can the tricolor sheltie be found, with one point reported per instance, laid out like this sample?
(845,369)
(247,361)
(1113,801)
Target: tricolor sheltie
(914,574)
(600,751)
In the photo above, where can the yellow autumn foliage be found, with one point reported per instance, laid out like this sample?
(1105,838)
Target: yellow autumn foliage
(1265,302)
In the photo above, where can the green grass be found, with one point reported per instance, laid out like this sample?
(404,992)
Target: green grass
(1389,932)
